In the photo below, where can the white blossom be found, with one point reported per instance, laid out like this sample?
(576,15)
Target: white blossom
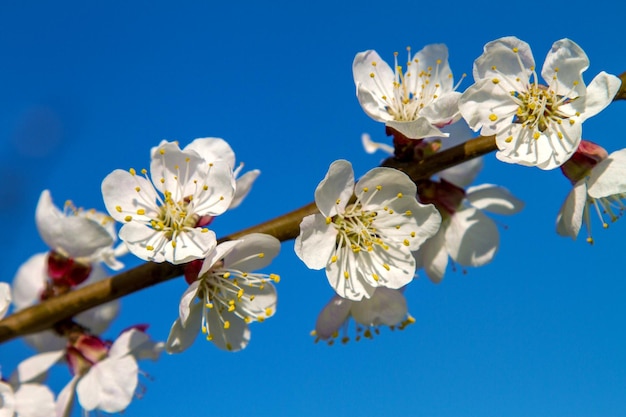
(162,222)
(227,295)
(365,242)
(417,101)
(534,124)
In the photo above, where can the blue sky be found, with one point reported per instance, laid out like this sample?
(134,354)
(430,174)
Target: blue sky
(89,87)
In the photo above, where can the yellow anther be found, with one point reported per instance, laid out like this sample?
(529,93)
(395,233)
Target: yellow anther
(333,258)
(209,337)
(275,278)
(379,187)
(141,212)
(372,74)
(365,189)
(162,180)
(328,220)
(406,242)
(536,135)
(173,243)
(438,61)
(400,195)
(162,151)
(132,171)
(376,277)
(515,50)
(337,201)
(118,209)
(149,247)
(386,267)
(373,63)
(493,68)
(229,346)
(226,324)
(346,275)
(204,230)
(268,311)
(408,213)
(128,218)
(226,275)
(205,187)
(137,189)
(247,319)
(240,293)
(509,139)
(495,81)
(261,255)
(493,117)
(231,308)
(209,305)
(571,121)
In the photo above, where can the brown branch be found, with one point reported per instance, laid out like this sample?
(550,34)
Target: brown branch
(286,227)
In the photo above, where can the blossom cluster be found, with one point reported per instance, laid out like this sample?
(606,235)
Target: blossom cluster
(371,235)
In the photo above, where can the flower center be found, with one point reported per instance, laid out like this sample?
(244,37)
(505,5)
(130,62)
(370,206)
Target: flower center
(174,216)
(539,107)
(356,229)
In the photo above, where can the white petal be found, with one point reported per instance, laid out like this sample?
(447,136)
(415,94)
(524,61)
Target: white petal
(5,298)
(370,90)
(109,385)
(33,367)
(7,400)
(127,342)
(217,254)
(500,54)
(334,191)
(570,217)
(332,316)
(257,302)
(444,110)
(383,185)
(76,236)
(213,149)
(34,400)
(600,93)
(216,199)
(385,307)
(174,170)
(472,238)
(416,129)
(244,185)
(481,101)
(30,281)
(563,68)
(435,255)
(65,399)
(181,337)
(121,198)
(493,198)
(433,59)
(256,251)
(187,302)
(316,241)
(233,339)
(609,176)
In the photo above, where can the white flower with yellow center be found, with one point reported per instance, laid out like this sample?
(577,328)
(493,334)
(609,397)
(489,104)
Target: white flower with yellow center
(416,101)
(534,124)
(364,233)
(226,296)
(162,221)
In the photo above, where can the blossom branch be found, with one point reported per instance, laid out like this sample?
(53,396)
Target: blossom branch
(286,227)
